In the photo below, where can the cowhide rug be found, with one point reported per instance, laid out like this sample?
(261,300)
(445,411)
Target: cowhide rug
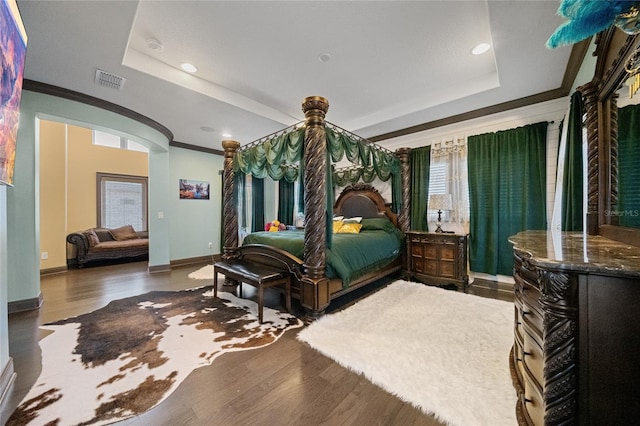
(127,357)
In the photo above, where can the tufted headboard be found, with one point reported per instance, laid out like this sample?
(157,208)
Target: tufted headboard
(363,200)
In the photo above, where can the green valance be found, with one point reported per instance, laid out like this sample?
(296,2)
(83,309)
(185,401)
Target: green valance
(343,177)
(372,160)
(277,157)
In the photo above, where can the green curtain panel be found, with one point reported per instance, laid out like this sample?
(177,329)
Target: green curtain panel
(507,193)
(329,205)
(483,167)
(286,202)
(241,197)
(572,192)
(300,183)
(420,164)
(257,198)
(628,210)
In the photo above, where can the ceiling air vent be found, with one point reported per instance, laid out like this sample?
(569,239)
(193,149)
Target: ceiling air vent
(109,80)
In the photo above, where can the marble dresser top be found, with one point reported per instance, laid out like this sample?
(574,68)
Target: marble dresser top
(578,252)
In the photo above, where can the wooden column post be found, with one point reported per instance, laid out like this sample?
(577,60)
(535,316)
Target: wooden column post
(589,95)
(315,186)
(230,209)
(404,217)
(314,289)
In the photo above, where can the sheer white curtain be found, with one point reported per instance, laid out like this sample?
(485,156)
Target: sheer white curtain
(448,175)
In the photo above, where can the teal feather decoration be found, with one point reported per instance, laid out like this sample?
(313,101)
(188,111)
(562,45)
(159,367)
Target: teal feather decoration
(586,18)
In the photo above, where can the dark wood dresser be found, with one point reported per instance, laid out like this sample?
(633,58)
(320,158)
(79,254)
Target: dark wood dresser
(576,352)
(437,258)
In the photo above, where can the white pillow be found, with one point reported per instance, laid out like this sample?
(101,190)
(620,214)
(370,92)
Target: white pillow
(356,219)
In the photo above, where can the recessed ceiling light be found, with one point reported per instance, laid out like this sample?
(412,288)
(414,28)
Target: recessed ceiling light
(226,135)
(207,129)
(188,67)
(325,57)
(481,48)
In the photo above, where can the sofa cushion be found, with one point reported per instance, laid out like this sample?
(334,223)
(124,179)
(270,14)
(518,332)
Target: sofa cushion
(92,238)
(103,234)
(124,233)
(123,245)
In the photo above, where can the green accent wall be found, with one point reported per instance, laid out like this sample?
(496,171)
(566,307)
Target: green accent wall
(195,223)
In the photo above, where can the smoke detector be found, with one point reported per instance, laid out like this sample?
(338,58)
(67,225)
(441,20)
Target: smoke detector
(110,80)
(154,44)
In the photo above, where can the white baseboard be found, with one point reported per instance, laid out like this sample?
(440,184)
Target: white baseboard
(7,378)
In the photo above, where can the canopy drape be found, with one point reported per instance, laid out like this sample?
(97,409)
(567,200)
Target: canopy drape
(286,203)
(279,158)
(257,198)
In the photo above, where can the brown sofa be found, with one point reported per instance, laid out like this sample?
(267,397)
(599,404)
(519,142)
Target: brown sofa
(97,245)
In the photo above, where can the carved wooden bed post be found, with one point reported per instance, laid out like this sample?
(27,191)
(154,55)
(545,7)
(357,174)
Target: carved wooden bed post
(589,95)
(230,210)
(314,289)
(405,173)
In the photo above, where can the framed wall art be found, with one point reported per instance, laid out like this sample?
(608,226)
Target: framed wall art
(13,50)
(194,189)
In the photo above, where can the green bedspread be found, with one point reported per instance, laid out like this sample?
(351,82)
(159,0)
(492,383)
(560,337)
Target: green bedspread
(351,255)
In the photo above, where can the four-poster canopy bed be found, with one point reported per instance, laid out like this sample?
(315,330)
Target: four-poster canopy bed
(315,281)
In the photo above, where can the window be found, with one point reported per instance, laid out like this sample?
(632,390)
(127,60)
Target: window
(438,184)
(122,200)
(448,175)
(114,141)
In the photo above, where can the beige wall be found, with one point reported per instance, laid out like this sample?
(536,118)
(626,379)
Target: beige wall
(52,193)
(68,165)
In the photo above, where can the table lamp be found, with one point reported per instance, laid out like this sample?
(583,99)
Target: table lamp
(440,202)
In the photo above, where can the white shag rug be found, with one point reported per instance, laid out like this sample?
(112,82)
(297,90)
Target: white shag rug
(204,273)
(446,353)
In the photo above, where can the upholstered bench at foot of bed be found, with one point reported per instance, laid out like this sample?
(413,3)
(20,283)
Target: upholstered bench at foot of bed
(257,275)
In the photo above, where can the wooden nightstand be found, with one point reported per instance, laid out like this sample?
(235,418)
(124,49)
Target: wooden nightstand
(437,258)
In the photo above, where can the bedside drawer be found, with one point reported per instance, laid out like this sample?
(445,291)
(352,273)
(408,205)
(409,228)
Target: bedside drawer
(437,258)
(447,252)
(431,267)
(417,264)
(417,250)
(447,269)
(431,252)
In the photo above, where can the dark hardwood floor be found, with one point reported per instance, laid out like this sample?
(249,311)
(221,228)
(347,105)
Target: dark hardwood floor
(286,383)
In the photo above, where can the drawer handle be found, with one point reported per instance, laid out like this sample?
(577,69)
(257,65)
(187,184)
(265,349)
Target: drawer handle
(523,312)
(524,399)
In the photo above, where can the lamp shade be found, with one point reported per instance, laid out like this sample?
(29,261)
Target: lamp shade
(440,202)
